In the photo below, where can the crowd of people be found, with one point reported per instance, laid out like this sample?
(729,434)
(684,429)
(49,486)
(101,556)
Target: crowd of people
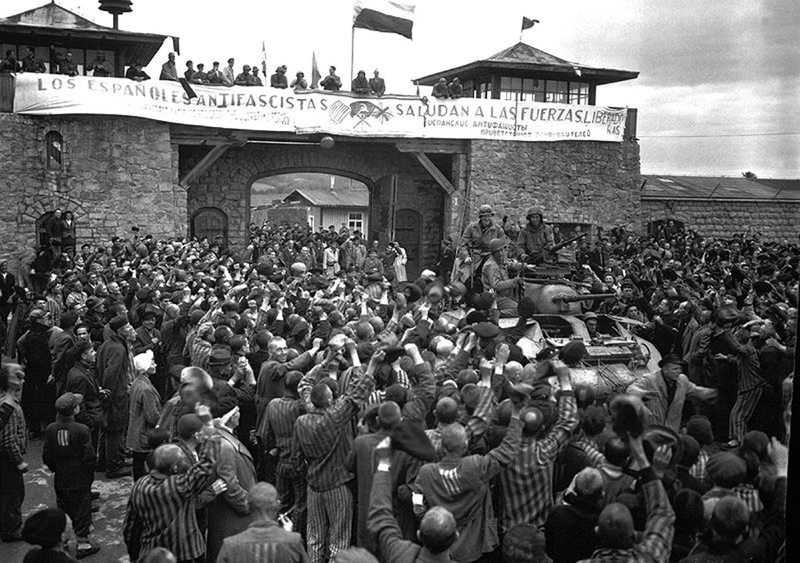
(301,400)
(63,63)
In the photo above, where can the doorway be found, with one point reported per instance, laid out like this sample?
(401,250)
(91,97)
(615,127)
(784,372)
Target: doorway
(408,232)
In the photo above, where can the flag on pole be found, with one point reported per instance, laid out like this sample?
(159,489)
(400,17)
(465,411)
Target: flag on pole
(264,61)
(528,23)
(389,16)
(315,75)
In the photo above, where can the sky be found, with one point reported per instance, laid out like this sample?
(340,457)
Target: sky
(717,92)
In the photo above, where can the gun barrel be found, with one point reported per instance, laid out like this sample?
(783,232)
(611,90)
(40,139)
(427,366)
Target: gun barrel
(587,297)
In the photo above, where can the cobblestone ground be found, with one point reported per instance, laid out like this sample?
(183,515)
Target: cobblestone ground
(107,532)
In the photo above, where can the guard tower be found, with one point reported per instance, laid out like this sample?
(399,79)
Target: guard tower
(525,73)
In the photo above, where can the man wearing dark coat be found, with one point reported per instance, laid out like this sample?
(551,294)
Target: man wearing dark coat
(115,373)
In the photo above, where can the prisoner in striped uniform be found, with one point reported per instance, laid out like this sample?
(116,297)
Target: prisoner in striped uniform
(322,439)
(526,484)
(276,432)
(161,508)
(461,485)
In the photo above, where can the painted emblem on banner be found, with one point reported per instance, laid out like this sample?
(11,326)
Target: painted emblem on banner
(362,112)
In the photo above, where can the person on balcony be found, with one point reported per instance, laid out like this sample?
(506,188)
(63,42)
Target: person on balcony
(10,63)
(32,63)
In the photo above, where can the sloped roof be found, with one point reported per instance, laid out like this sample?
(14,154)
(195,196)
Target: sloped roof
(52,15)
(719,187)
(330,198)
(524,57)
(524,53)
(54,24)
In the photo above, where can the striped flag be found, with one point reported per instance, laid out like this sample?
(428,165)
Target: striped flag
(389,16)
(315,75)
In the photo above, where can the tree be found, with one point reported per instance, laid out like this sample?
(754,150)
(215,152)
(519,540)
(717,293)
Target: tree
(750,175)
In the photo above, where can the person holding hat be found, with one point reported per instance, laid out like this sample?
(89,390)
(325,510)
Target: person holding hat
(69,454)
(494,278)
(535,239)
(664,392)
(144,411)
(115,372)
(725,354)
(13,445)
(322,440)
(526,482)
(161,506)
(229,513)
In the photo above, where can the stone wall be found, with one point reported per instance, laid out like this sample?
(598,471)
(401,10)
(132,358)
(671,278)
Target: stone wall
(226,184)
(115,172)
(575,182)
(775,220)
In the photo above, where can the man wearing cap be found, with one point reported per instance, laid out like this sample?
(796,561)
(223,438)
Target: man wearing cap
(724,353)
(494,278)
(13,445)
(115,372)
(279,80)
(33,352)
(69,454)
(229,513)
(376,84)
(81,380)
(535,238)
(664,392)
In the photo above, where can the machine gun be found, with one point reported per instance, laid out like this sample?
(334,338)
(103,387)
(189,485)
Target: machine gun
(566,243)
(539,257)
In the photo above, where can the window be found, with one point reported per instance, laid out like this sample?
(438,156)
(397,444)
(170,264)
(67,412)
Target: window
(53,146)
(534,90)
(355,221)
(484,88)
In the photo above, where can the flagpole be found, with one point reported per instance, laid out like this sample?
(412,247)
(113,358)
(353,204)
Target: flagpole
(352,51)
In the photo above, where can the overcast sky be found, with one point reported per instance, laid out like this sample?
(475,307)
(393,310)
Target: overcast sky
(718,91)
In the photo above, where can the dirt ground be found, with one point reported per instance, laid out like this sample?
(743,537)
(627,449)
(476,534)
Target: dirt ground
(107,522)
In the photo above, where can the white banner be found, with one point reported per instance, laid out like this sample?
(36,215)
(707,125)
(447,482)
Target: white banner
(313,111)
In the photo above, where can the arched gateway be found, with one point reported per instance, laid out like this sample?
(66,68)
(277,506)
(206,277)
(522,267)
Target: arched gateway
(396,180)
